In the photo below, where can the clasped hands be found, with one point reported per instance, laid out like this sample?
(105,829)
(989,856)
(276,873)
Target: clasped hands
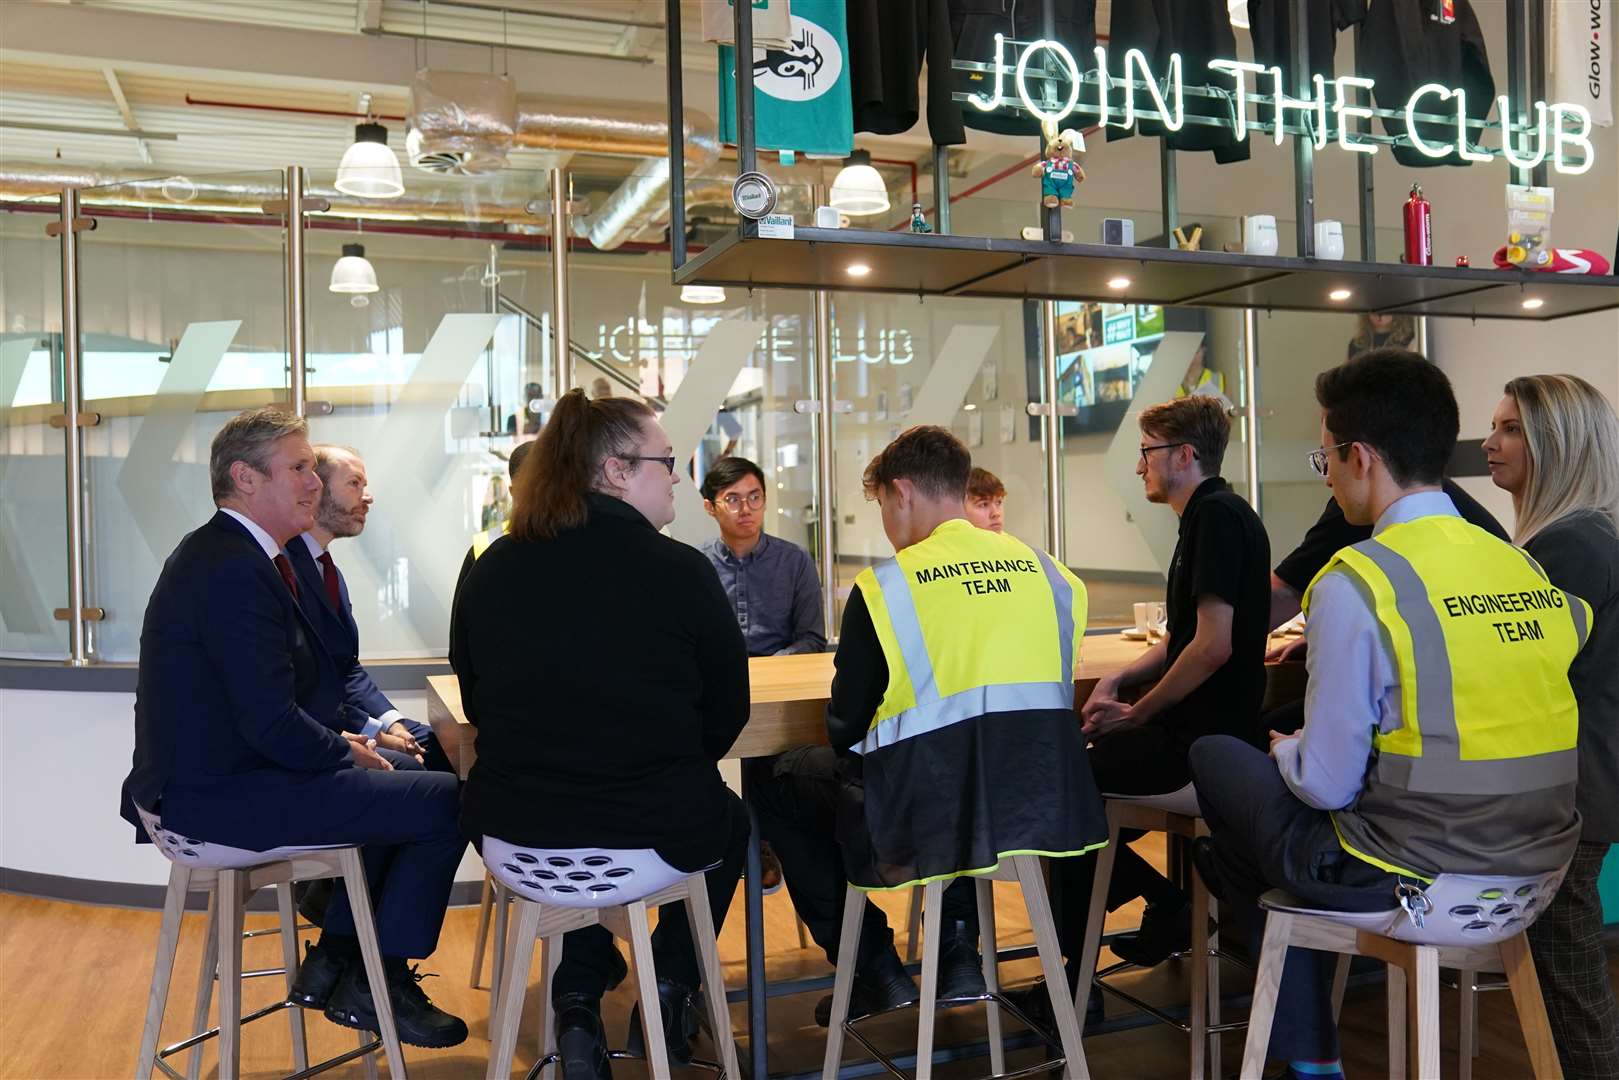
(396,737)
(1103,712)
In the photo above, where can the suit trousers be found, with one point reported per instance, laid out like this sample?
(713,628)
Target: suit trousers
(1573,967)
(404,821)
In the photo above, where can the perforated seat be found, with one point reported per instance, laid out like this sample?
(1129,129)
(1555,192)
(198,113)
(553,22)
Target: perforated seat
(579,877)
(1182,801)
(231,875)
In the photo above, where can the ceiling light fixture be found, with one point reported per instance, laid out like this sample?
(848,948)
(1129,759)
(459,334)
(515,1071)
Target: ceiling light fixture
(1339,294)
(859,190)
(858,269)
(369,168)
(1118,283)
(353,273)
(702,294)
(1533,303)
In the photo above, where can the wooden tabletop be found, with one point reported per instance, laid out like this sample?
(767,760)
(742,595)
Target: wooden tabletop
(789,695)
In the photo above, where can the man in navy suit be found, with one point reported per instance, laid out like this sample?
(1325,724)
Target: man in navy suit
(242,736)
(345,500)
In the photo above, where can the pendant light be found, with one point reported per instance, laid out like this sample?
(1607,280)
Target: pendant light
(859,190)
(702,294)
(353,273)
(369,168)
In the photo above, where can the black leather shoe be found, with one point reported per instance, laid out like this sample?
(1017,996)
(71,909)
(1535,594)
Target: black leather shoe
(582,1038)
(1208,866)
(313,897)
(961,970)
(317,977)
(418,1020)
(1035,1003)
(679,1023)
(1165,929)
(883,986)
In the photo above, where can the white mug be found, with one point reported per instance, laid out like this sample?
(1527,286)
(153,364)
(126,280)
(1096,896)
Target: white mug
(1139,610)
(1259,234)
(830,217)
(1329,239)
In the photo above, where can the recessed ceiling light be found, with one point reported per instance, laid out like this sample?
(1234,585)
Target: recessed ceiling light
(1532,303)
(858,269)
(1339,294)
(969,407)
(1118,283)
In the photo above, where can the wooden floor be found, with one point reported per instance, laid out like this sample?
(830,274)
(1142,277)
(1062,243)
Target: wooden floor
(73,981)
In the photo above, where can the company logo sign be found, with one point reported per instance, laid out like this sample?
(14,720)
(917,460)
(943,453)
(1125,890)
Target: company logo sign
(803,71)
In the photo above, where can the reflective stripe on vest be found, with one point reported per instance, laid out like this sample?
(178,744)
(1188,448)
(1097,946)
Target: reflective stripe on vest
(932,711)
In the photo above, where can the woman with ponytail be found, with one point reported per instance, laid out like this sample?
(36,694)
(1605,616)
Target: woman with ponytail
(604,671)
(1554,445)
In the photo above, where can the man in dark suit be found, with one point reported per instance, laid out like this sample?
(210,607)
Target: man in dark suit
(345,500)
(240,736)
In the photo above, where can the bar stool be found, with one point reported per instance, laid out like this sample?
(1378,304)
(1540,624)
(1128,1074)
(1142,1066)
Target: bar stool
(1177,814)
(231,876)
(1025,871)
(557,890)
(1471,923)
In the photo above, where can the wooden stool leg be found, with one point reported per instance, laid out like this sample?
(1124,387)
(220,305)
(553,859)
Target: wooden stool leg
(503,902)
(646,979)
(1213,965)
(1467,1008)
(1424,998)
(803,931)
(1267,984)
(1396,1023)
(854,909)
(1340,985)
(1095,917)
(1197,1004)
(168,943)
(1525,986)
(507,1015)
(913,926)
(550,959)
(701,919)
(207,969)
(365,928)
(927,1008)
(480,938)
(289,960)
(230,899)
(984,893)
(1033,884)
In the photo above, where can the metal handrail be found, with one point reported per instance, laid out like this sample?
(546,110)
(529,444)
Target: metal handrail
(595,360)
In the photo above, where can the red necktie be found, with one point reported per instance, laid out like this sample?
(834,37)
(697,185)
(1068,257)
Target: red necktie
(328,570)
(285,567)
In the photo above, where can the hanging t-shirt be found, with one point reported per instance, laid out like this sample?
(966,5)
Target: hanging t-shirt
(1268,24)
(1200,31)
(973,26)
(801,98)
(888,40)
(1405,47)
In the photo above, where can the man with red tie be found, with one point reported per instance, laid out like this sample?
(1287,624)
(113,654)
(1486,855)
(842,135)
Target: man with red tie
(242,736)
(345,500)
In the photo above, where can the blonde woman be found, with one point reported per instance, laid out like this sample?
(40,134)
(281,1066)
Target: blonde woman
(1554,445)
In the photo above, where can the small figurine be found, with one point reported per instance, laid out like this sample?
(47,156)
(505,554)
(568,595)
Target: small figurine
(1193,242)
(919,221)
(1059,169)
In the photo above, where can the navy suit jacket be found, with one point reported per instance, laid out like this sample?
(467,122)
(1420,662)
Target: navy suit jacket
(233,678)
(337,629)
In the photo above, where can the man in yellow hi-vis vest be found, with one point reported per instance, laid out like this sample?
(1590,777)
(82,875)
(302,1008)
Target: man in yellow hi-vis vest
(1439,732)
(481,541)
(953,736)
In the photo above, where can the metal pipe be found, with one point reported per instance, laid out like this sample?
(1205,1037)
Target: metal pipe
(1537,73)
(1170,193)
(941,190)
(73,436)
(1250,405)
(747,154)
(1303,149)
(825,477)
(492,296)
(295,287)
(677,138)
(1364,170)
(561,359)
(1048,373)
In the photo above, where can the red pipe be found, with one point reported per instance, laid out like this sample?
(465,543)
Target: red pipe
(289,109)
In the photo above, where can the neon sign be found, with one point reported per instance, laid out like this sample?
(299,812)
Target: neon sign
(1558,129)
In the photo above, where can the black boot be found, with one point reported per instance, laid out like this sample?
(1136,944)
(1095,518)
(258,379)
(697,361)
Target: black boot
(318,975)
(679,1023)
(882,985)
(961,971)
(582,1038)
(418,1020)
(1035,1003)
(312,898)
(1166,928)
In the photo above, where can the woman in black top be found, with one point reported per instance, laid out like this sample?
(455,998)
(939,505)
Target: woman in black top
(1554,444)
(606,677)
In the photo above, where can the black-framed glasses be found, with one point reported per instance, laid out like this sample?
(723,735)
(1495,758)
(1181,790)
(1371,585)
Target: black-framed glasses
(733,502)
(1163,446)
(666,462)
(1318,458)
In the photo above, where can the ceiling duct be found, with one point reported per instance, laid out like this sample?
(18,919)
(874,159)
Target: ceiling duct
(461,123)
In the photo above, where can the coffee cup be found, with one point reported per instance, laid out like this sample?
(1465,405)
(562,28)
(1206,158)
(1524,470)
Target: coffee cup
(1259,234)
(830,217)
(1140,613)
(1329,239)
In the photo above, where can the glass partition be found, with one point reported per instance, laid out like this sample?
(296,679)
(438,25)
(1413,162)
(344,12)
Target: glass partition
(33,511)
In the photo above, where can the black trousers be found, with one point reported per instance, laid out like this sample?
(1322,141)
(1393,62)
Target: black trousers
(1573,969)
(1147,760)
(591,961)
(797,796)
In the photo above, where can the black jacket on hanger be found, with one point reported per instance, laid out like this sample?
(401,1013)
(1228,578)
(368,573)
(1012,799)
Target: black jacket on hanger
(1268,26)
(1405,48)
(887,42)
(974,24)
(1200,31)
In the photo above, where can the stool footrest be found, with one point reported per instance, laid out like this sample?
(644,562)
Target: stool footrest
(213,1032)
(622,1055)
(1000,999)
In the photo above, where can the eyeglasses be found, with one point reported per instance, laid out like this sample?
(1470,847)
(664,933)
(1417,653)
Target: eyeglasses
(666,462)
(733,502)
(1318,458)
(1164,446)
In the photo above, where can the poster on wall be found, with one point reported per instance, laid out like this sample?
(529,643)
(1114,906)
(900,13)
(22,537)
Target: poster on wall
(991,381)
(1008,424)
(1580,40)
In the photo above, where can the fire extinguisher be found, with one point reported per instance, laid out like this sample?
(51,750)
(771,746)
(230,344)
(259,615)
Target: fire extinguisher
(1418,229)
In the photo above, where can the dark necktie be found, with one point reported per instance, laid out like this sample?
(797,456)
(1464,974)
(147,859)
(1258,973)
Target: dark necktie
(285,567)
(328,570)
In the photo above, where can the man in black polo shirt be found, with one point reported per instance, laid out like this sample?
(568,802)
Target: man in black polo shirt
(1207,678)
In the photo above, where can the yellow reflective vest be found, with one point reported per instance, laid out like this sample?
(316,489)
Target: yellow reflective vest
(975,751)
(1479,776)
(481,542)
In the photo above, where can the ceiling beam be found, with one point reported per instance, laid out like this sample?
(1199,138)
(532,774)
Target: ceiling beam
(125,111)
